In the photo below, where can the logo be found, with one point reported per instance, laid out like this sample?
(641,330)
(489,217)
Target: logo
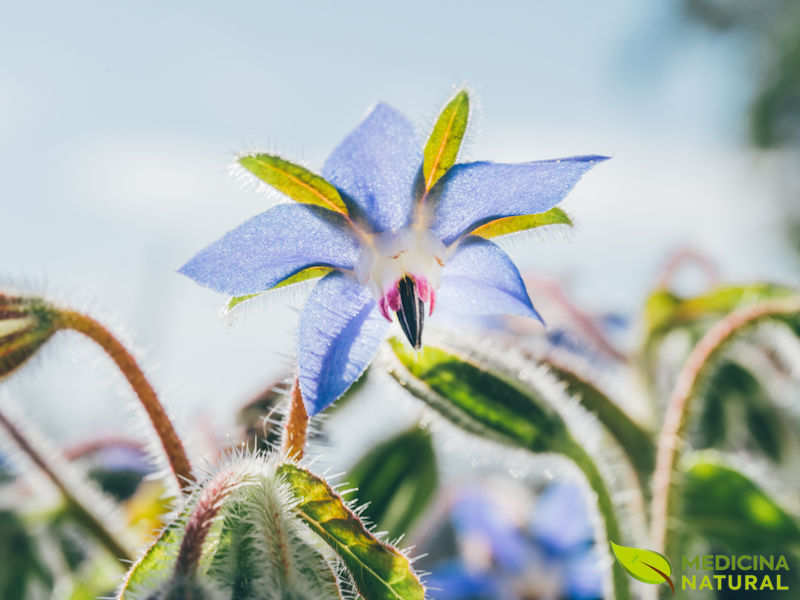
(644,565)
(722,572)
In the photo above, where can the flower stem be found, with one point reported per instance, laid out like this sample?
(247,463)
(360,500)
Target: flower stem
(83,509)
(575,452)
(173,447)
(296,429)
(673,434)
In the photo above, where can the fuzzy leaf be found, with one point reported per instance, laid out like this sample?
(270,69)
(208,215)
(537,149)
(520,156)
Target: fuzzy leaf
(504,226)
(299,277)
(722,504)
(483,402)
(665,311)
(634,439)
(295,181)
(238,534)
(644,565)
(442,147)
(152,563)
(398,478)
(731,386)
(479,401)
(379,571)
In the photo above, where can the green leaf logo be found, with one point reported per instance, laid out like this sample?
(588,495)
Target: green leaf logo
(644,565)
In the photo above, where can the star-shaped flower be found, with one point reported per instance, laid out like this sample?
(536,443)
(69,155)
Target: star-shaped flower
(397,231)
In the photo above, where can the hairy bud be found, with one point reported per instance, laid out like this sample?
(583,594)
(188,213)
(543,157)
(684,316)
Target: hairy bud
(25,324)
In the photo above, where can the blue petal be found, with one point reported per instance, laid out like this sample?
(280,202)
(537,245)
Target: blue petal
(340,330)
(480,279)
(376,166)
(272,246)
(473,194)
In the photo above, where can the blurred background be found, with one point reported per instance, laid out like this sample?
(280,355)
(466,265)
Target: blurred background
(119,122)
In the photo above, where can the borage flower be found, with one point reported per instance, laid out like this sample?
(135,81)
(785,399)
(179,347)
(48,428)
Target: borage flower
(396,231)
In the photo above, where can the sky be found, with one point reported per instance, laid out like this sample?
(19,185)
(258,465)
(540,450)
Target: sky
(119,123)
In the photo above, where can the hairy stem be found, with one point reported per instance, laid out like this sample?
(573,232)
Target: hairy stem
(173,447)
(209,504)
(83,509)
(673,434)
(296,429)
(605,505)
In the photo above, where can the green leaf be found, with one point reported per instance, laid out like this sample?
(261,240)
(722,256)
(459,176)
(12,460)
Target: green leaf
(153,561)
(634,439)
(506,225)
(644,565)
(295,181)
(20,557)
(379,571)
(477,400)
(398,478)
(442,147)
(732,386)
(299,277)
(486,403)
(665,311)
(725,506)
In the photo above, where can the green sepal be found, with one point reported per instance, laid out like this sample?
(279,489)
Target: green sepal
(507,225)
(298,183)
(379,571)
(398,478)
(441,150)
(299,277)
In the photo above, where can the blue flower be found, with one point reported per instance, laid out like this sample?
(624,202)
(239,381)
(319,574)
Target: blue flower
(390,242)
(498,559)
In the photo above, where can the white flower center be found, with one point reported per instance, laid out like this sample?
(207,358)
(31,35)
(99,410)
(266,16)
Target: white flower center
(393,255)
(402,270)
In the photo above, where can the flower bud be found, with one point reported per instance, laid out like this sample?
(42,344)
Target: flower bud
(25,324)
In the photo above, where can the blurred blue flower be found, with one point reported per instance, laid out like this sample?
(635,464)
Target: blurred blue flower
(500,559)
(560,520)
(395,251)
(563,529)
(476,518)
(453,581)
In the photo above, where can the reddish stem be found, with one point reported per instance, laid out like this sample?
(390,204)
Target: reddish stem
(672,437)
(173,447)
(683,257)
